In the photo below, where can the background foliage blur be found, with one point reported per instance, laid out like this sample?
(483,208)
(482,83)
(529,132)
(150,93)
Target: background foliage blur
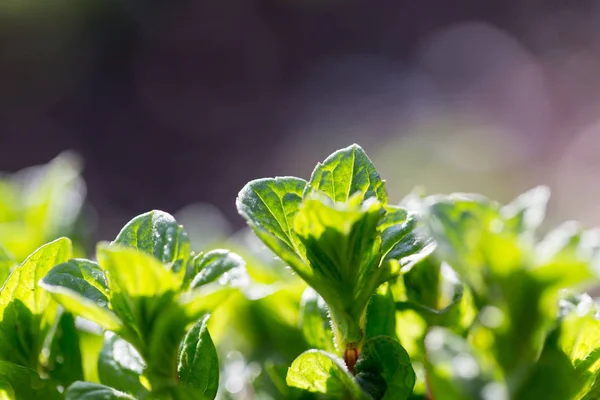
(175,102)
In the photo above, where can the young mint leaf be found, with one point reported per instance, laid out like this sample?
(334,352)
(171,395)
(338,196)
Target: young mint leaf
(344,174)
(94,391)
(82,276)
(198,361)
(269,206)
(321,372)
(383,357)
(400,238)
(80,286)
(120,365)
(381,314)
(314,321)
(141,289)
(25,383)
(221,273)
(342,245)
(157,233)
(455,371)
(64,364)
(221,265)
(26,310)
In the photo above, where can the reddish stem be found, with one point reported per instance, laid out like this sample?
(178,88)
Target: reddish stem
(350,357)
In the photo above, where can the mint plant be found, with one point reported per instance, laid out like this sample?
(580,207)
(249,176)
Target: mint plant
(338,233)
(464,283)
(150,294)
(442,297)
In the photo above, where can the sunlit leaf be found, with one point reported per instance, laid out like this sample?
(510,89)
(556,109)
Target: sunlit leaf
(344,174)
(321,372)
(156,233)
(269,206)
(23,305)
(198,361)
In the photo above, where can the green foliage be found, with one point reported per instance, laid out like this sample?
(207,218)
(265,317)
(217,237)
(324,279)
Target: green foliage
(445,297)
(40,204)
(336,233)
(464,282)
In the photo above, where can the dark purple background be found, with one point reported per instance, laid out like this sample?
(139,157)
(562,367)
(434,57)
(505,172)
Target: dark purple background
(174,102)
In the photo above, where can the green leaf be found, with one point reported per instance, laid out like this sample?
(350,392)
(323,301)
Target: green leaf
(157,233)
(569,256)
(26,383)
(25,310)
(433,289)
(321,372)
(474,239)
(277,375)
(314,321)
(580,339)
(383,357)
(64,363)
(269,206)
(344,174)
(221,273)
(342,245)
(120,365)
(526,213)
(381,314)
(139,284)
(198,361)
(553,377)
(94,391)
(455,371)
(223,266)
(80,286)
(400,239)
(80,276)
(40,204)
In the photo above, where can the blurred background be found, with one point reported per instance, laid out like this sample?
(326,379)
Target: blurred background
(176,102)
